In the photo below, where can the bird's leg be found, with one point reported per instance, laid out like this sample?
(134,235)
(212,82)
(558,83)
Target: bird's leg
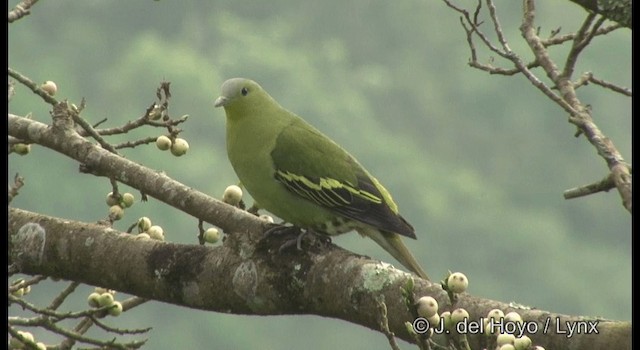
(299,233)
(277,229)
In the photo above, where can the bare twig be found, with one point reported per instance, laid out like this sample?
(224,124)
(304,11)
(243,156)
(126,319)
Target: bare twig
(18,182)
(565,97)
(33,86)
(55,303)
(384,325)
(603,185)
(611,86)
(22,9)
(558,40)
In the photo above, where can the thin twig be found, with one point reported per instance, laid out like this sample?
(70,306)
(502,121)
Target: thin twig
(55,303)
(33,86)
(22,9)
(619,89)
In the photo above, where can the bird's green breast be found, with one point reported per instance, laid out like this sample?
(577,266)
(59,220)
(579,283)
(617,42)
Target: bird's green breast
(250,141)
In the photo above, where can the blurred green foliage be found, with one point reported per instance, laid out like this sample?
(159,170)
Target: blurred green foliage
(477,163)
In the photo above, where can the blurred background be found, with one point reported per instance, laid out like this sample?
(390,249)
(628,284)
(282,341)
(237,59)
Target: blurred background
(476,162)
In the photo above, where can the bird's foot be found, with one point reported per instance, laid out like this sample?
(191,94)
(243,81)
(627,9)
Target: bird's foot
(298,235)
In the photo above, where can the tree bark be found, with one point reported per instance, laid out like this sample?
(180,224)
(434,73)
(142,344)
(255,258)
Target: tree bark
(245,276)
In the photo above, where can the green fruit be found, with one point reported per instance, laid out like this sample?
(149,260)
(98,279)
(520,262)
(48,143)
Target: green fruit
(116,212)
(127,200)
(459,315)
(495,314)
(427,306)
(457,282)
(446,318)
(179,147)
(513,317)
(116,309)
(105,299)
(505,338)
(212,235)
(156,232)
(49,87)
(156,112)
(434,320)
(112,200)
(163,143)
(232,195)
(27,336)
(143,224)
(143,236)
(266,217)
(21,148)
(522,343)
(94,299)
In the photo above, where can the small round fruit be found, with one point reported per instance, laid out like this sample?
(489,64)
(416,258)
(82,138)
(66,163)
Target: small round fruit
(156,232)
(116,212)
(106,299)
(18,292)
(427,306)
(513,317)
(143,236)
(143,224)
(128,199)
(232,195)
(156,112)
(27,336)
(163,143)
(459,315)
(112,200)
(505,338)
(27,289)
(457,282)
(116,309)
(22,148)
(49,87)
(507,347)
(522,343)
(495,314)
(100,290)
(446,318)
(212,235)
(492,326)
(179,147)
(266,217)
(94,299)
(434,320)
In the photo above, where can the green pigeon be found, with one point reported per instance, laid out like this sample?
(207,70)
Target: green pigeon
(300,175)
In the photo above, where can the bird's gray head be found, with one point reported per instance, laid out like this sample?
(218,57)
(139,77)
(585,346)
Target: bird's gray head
(236,90)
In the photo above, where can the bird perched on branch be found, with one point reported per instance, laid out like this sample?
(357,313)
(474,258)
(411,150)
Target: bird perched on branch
(297,173)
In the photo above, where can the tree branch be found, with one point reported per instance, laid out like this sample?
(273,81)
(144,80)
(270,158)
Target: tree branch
(615,10)
(149,181)
(245,277)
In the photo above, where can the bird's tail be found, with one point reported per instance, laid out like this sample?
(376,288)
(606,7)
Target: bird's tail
(392,243)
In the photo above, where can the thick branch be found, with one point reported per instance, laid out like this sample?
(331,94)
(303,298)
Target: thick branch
(149,181)
(245,277)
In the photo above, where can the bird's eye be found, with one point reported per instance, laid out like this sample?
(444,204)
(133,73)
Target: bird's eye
(244,91)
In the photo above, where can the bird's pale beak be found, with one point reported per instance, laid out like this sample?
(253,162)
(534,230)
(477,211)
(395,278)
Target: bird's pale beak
(220,101)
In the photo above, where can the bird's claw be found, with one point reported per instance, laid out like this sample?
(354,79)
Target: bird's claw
(298,232)
(279,230)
